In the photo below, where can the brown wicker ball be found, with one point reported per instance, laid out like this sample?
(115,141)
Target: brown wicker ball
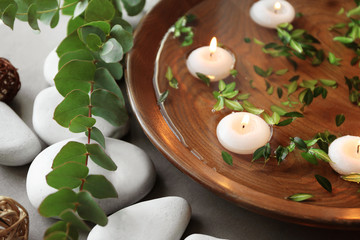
(14,220)
(9,81)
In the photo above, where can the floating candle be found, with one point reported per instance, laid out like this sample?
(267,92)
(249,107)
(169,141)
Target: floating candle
(270,13)
(212,61)
(243,132)
(344,154)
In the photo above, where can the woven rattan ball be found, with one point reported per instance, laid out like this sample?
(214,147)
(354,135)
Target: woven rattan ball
(14,220)
(9,81)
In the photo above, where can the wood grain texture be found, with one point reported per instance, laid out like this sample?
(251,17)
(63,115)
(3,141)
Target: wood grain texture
(253,186)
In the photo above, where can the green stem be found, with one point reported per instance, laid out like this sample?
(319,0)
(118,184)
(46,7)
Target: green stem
(50,10)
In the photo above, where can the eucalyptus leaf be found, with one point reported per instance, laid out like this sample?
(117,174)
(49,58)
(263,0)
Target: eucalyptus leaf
(59,227)
(55,19)
(70,152)
(71,43)
(74,220)
(96,135)
(99,187)
(81,123)
(55,203)
(111,51)
(109,106)
(104,80)
(75,103)
(99,10)
(93,42)
(81,54)
(88,209)
(80,8)
(324,182)
(99,157)
(8,16)
(115,69)
(32,17)
(69,175)
(124,37)
(133,7)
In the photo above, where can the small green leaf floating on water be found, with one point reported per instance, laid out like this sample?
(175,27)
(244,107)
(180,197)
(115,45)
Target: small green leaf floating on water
(299,197)
(233,72)
(340,118)
(352,178)
(247,40)
(324,182)
(227,158)
(204,78)
(163,96)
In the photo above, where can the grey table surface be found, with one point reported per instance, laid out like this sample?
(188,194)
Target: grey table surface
(211,214)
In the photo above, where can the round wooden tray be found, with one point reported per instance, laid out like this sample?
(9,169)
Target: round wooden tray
(187,137)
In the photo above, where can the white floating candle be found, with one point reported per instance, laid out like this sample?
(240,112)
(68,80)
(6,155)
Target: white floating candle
(212,61)
(243,132)
(271,13)
(344,154)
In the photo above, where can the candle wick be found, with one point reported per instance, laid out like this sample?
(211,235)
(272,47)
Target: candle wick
(244,127)
(358,148)
(211,54)
(275,11)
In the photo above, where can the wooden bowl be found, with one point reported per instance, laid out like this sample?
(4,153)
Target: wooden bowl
(186,136)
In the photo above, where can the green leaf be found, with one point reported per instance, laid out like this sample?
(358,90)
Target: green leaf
(354,11)
(259,153)
(32,17)
(251,109)
(118,20)
(133,7)
(204,78)
(222,85)
(66,80)
(93,42)
(115,69)
(112,51)
(100,187)
(311,142)
(8,16)
(107,105)
(49,9)
(277,109)
(104,80)
(259,71)
(281,71)
(97,135)
(329,83)
(268,119)
(56,203)
(281,153)
(334,60)
(345,40)
(320,154)
(55,19)
(81,123)
(233,72)
(293,114)
(341,11)
(80,8)
(68,7)
(300,143)
(296,46)
(299,197)
(70,152)
(257,41)
(227,158)
(270,90)
(69,175)
(88,209)
(58,227)
(99,157)
(80,54)
(309,157)
(57,236)
(70,217)
(124,37)
(352,177)
(308,97)
(70,43)
(292,87)
(75,103)
(276,117)
(233,105)
(285,122)
(324,182)
(99,10)
(74,24)
(308,84)
(340,118)
(243,96)
(169,75)
(219,104)
(163,96)
(247,40)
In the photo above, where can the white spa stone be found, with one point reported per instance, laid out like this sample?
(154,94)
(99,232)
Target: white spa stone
(344,156)
(202,237)
(263,13)
(51,67)
(51,132)
(159,219)
(18,144)
(133,179)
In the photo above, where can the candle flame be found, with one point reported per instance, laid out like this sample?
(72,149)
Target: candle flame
(277,6)
(213,45)
(245,121)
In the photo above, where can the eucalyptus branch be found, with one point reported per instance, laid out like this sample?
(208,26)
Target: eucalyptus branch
(50,10)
